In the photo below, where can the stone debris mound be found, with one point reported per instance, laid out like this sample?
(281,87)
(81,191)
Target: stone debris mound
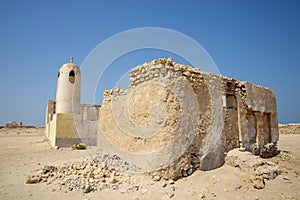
(87,175)
(111,172)
(93,174)
(258,168)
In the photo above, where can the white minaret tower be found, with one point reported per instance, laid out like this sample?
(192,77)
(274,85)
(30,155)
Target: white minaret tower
(68,88)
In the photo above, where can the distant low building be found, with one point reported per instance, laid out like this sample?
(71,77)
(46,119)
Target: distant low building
(13,124)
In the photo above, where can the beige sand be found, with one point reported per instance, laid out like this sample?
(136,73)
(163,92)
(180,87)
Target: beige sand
(24,150)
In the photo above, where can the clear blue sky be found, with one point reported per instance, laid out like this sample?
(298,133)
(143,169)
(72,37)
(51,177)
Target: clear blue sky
(257,41)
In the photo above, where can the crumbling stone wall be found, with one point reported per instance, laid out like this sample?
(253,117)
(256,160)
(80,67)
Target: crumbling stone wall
(258,120)
(175,119)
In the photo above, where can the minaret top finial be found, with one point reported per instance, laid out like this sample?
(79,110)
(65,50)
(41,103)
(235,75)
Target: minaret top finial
(71,59)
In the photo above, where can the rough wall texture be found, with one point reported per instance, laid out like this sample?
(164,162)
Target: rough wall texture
(175,119)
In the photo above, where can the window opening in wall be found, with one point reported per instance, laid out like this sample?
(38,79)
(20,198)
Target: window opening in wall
(72,76)
(230,101)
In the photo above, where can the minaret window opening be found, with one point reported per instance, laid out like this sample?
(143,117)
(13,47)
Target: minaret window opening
(72,76)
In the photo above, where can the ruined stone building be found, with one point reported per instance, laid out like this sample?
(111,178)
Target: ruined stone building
(172,117)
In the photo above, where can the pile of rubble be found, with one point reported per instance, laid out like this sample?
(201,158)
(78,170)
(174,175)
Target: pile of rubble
(110,172)
(86,175)
(93,174)
(258,168)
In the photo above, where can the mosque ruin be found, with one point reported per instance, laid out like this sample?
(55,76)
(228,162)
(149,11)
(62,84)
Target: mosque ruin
(173,118)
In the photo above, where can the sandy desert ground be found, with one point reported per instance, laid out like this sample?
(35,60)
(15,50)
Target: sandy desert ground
(24,151)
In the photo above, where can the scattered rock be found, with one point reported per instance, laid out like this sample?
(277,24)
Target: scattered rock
(87,175)
(267,172)
(88,189)
(164,184)
(171,195)
(33,179)
(246,161)
(123,190)
(102,172)
(48,169)
(268,150)
(286,178)
(213,194)
(258,182)
(202,196)
(113,179)
(156,178)
(115,186)
(136,187)
(237,186)
(80,146)
(171,182)
(257,167)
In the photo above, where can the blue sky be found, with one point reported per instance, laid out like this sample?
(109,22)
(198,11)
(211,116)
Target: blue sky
(257,41)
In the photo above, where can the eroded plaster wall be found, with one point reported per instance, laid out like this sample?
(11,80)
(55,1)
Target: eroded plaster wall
(166,101)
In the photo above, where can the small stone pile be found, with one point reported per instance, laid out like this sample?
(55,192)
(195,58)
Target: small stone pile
(87,175)
(259,169)
(96,174)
